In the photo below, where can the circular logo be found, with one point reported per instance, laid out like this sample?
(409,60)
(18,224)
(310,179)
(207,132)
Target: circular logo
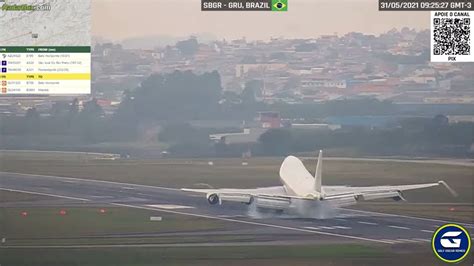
(451,243)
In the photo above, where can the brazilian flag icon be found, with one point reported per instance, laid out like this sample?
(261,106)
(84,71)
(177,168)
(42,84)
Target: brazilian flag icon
(279,5)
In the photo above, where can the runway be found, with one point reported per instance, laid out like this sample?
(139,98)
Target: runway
(347,226)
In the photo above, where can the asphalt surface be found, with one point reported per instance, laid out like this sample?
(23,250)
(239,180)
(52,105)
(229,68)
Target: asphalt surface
(346,226)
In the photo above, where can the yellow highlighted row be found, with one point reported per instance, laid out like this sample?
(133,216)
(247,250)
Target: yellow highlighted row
(45,76)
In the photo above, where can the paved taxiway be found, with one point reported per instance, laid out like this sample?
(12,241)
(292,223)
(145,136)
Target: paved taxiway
(347,226)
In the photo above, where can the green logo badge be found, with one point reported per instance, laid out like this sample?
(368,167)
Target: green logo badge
(279,5)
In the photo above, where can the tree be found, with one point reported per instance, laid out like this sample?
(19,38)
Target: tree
(253,88)
(59,109)
(32,121)
(74,107)
(89,124)
(276,141)
(92,109)
(182,133)
(186,140)
(32,114)
(178,96)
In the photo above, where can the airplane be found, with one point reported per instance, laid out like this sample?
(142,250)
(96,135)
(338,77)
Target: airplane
(299,188)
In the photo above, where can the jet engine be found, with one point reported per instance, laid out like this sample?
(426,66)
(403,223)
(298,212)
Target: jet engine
(272,202)
(213,198)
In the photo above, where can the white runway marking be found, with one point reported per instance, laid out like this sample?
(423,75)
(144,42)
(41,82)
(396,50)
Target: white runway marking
(93,181)
(369,223)
(406,240)
(342,227)
(412,217)
(128,188)
(327,227)
(231,216)
(170,206)
(389,241)
(42,194)
(422,240)
(144,194)
(398,227)
(69,181)
(427,231)
(102,197)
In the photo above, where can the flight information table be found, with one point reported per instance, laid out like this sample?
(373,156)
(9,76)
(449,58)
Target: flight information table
(45,70)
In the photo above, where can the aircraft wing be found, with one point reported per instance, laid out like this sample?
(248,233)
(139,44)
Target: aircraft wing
(278,190)
(343,193)
(271,194)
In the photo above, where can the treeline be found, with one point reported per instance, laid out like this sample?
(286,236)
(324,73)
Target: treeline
(170,101)
(178,96)
(65,124)
(414,136)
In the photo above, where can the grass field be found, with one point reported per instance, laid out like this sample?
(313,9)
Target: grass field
(46,227)
(264,255)
(100,225)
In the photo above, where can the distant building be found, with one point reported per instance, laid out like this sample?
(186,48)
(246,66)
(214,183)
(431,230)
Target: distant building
(323,83)
(242,69)
(249,135)
(270,119)
(316,126)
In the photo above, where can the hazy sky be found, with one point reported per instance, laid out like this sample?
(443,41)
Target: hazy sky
(119,19)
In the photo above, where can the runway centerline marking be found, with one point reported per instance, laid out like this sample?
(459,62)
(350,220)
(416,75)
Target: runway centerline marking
(342,227)
(327,227)
(427,231)
(170,206)
(399,227)
(369,223)
(312,228)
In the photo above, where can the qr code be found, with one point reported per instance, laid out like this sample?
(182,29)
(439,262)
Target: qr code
(451,36)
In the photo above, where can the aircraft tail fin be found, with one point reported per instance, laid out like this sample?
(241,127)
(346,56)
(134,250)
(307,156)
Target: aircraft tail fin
(318,173)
